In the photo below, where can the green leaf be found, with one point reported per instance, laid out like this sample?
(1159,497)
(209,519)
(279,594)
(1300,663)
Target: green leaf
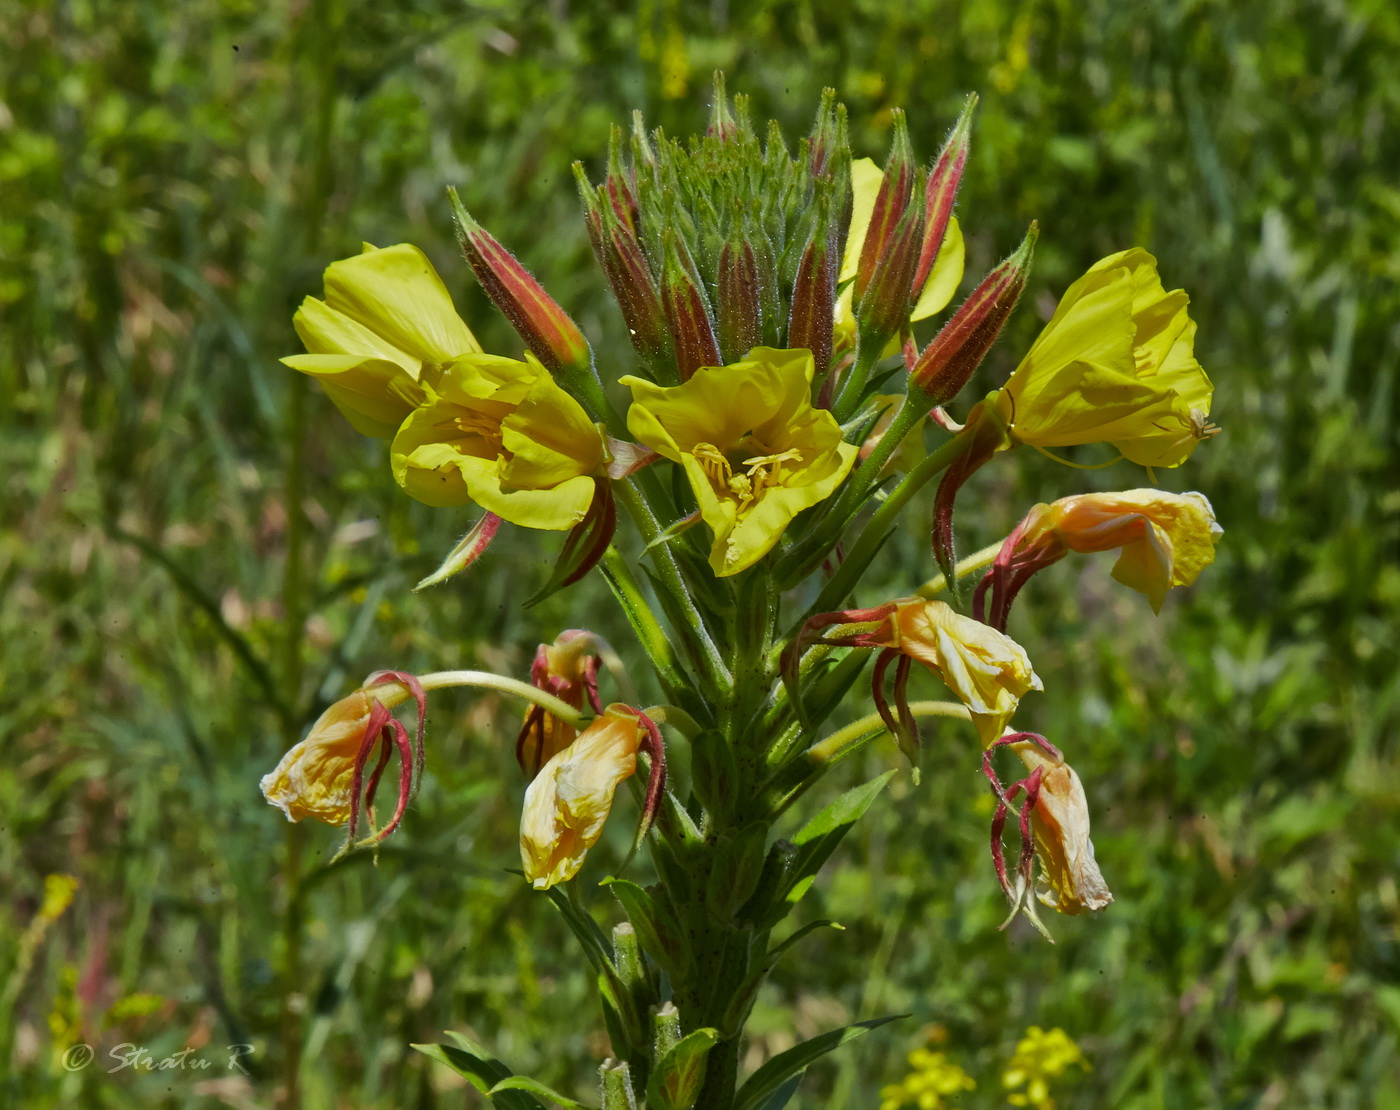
(759,1090)
(675,1081)
(817,839)
(783,1095)
(658,936)
(479,1068)
(535,1087)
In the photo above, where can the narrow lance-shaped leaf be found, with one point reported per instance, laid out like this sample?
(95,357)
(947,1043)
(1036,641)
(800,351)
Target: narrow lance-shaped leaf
(760,1086)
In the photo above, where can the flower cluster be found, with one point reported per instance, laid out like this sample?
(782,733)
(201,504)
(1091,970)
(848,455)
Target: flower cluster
(1040,1057)
(932,1078)
(768,437)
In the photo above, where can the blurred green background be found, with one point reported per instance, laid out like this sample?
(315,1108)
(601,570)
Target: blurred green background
(173,178)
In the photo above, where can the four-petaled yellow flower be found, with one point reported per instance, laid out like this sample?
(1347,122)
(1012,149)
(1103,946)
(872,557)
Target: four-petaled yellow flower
(1167,539)
(314,778)
(1069,879)
(380,339)
(503,434)
(1113,365)
(568,802)
(1039,1058)
(754,448)
(939,287)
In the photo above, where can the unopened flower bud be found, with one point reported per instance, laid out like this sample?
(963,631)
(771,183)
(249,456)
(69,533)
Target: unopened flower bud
(739,309)
(546,328)
(942,190)
(621,185)
(896,189)
(722,122)
(884,308)
(812,321)
(687,310)
(948,362)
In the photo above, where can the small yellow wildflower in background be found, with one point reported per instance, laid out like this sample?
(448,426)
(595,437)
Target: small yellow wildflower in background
(933,1076)
(1039,1058)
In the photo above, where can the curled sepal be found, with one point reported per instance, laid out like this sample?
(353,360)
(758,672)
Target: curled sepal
(584,545)
(983,436)
(471,548)
(546,328)
(568,669)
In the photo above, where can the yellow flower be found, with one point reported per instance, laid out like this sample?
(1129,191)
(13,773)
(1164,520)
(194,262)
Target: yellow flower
(942,280)
(987,670)
(314,778)
(1039,1058)
(569,800)
(1113,365)
(503,434)
(932,1077)
(379,340)
(1069,879)
(754,448)
(1167,539)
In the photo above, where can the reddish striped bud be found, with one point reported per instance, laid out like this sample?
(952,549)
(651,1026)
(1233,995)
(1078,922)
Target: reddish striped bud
(740,313)
(687,310)
(811,322)
(884,309)
(546,328)
(890,202)
(722,122)
(828,133)
(958,349)
(942,191)
(621,184)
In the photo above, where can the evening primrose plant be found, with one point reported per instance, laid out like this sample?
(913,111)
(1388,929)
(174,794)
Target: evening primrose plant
(732,485)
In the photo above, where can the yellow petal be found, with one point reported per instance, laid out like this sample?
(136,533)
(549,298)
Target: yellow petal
(865,187)
(945,277)
(376,395)
(568,802)
(396,294)
(1070,880)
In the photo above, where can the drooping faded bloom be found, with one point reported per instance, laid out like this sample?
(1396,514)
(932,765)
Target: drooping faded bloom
(379,341)
(503,434)
(1069,879)
(755,450)
(1113,365)
(568,802)
(568,669)
(1166,540)
(323,775)
(987,670)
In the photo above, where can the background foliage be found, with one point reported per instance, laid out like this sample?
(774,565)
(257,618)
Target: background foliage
(175,176)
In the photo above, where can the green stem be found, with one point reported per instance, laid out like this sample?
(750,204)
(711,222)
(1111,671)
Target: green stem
(847,740)
(858,558)
(645,627)
(867,355)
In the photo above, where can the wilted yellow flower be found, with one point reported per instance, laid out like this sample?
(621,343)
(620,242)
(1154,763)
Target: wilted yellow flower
(932,1077)
(942,281)
(987,670)
(1039,1058)
(1167,539)
(754,448)
(1069,879)
(313,778)
(380,339)
(569,800)
(1113,365)
(503,434)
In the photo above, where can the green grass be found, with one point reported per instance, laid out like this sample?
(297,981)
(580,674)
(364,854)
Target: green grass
(175,177)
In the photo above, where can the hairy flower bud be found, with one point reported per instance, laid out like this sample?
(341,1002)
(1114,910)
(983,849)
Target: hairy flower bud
(948,362)
(941,191)
(896,189)
(687,310)
(884,308)
(739,309)
(546,328)
(812,321)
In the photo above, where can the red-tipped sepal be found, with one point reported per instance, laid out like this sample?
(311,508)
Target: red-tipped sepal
(546,328)
(896,190)
(982,437)
(585,543)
